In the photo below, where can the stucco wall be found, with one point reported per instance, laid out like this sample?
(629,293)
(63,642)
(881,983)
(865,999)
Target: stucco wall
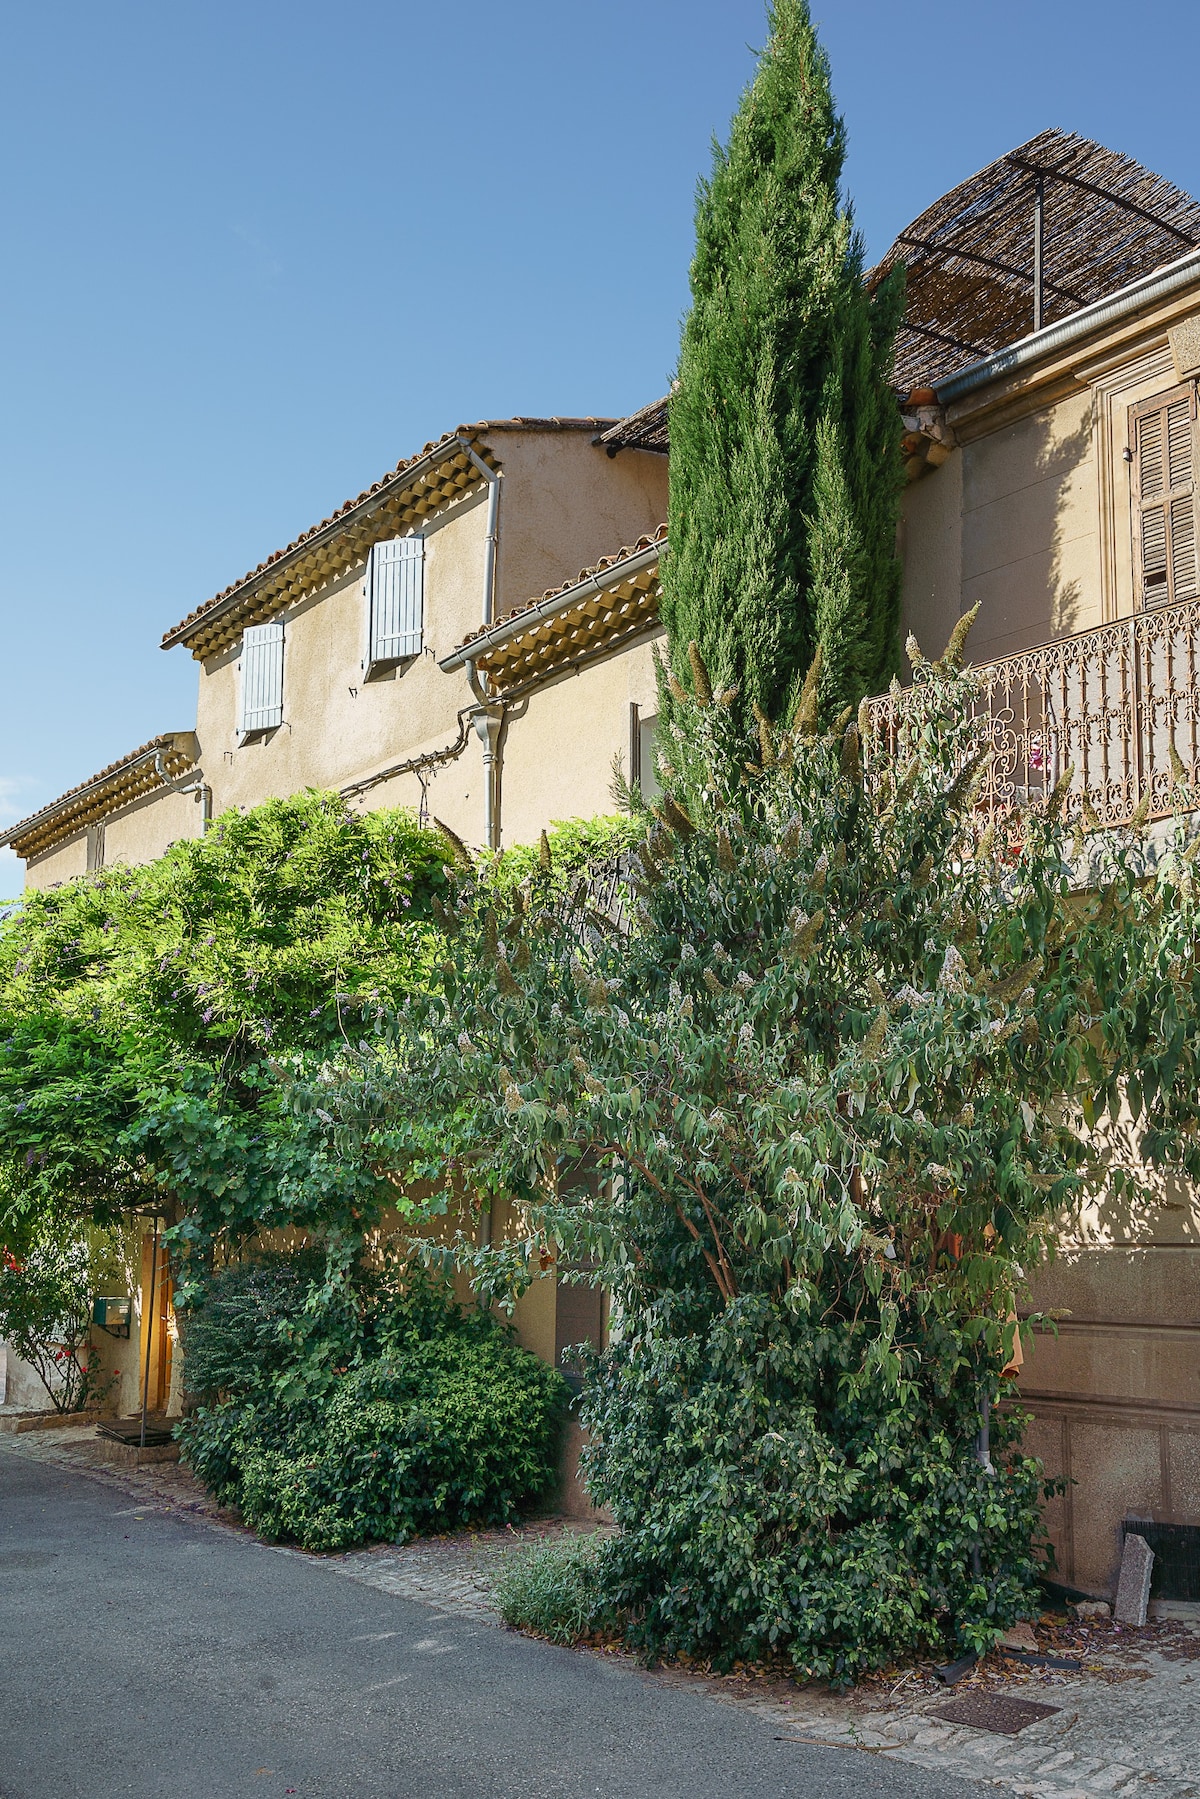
(564,504)
(62,863)
(337,724)
(1025,544)
(559,743)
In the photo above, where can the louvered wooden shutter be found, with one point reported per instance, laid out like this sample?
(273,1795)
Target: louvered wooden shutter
(396,594)
(1163,433)
(262,677)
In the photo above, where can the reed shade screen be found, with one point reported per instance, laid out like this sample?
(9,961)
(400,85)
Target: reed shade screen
(1163,436)
(1106,221)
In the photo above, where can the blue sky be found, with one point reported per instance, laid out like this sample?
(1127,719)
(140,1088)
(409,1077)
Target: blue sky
(258,252)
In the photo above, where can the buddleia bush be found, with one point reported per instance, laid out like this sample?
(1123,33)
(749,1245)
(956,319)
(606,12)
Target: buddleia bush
(812,1120)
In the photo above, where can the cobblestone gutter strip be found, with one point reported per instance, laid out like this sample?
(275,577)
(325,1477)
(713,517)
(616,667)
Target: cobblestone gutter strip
(1129,1725)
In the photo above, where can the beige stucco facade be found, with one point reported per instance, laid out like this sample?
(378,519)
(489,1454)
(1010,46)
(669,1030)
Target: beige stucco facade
(1032,515)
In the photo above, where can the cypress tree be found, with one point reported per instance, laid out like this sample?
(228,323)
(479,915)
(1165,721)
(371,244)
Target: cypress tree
(785,464)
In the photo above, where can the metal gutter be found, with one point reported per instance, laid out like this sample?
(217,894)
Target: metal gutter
(1144,292)
(57,808)
(542,609)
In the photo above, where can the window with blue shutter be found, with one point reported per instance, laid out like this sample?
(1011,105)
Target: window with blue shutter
(396,600)
(261,707)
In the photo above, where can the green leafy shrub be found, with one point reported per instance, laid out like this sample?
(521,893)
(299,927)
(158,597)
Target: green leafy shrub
(553,1588)
(236,1337)
(46,1313)
(770,1502)
(379,1411)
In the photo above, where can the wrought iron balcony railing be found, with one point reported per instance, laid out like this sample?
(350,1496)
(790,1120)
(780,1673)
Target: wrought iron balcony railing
(1110,702)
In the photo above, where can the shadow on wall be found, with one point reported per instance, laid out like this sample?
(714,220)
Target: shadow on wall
(1030,530)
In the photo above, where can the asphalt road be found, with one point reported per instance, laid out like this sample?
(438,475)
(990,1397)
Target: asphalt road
(148,1655)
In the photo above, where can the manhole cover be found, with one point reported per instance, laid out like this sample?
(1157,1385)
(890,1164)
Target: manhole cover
(988,1711)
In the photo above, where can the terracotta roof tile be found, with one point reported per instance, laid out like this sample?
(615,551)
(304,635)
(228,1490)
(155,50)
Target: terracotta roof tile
(657,536)
(180,745)
(645,429)
(184,629)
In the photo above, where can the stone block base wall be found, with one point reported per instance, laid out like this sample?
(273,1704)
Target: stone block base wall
(1115,1398)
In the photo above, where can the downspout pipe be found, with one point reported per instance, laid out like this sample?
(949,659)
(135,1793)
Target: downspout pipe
(1160,285)
(488,718)
(493,477)
(199,787)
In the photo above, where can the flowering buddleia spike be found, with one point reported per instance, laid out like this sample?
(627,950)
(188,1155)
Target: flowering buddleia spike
(842,720)
(1142,813)
(851,755)
(598,995)
(789,843)
(924,872)
(1177,764)
(490,934)
(820,873)
(674,817)
(677,689)
(907,784)
(805,721)
(522,956)
(872,1043)
(875,989)
(711,982)
(766,742)
(646,857)
(839,858)
(458,848)
(1059,791)
(1010,985)
(952,655)
(726,860)
(864,719)
(1091,817)
(545,859)
(912,650)
(987,842)
(701,685)
(726,697)
(505,979)
(806,934)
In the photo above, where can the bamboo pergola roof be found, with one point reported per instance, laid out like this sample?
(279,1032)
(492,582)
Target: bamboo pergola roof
(970,257)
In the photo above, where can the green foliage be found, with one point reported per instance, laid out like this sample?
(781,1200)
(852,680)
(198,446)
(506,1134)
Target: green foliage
(552,1588)
(809,1121)
(417,1416)
(772,1500)
(575,845)
(46,1288)
(153,1019)
(236,1339)
(785,435)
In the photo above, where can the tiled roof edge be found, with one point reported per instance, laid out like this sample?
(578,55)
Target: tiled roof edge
(558,599)
(182,744)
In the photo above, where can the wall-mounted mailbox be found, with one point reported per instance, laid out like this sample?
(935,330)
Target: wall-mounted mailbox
(112,1315)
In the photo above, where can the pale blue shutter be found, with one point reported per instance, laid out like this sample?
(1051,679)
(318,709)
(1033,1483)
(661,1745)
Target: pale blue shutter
(262,677)
(396,590)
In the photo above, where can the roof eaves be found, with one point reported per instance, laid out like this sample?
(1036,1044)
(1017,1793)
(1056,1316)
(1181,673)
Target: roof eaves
(601,578)
(83,804)
(376,497)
